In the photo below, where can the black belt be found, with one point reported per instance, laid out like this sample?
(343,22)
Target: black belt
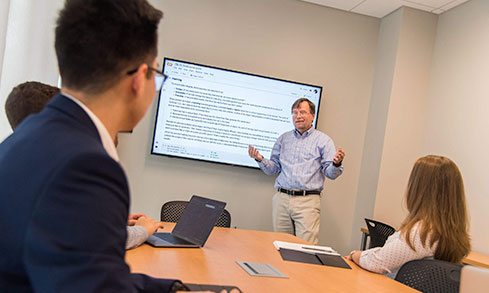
(299,192)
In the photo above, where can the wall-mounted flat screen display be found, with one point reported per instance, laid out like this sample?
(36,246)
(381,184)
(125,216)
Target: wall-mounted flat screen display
(213,114)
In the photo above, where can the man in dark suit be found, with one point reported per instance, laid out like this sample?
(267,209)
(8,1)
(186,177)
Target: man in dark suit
(31,97)
(64,198)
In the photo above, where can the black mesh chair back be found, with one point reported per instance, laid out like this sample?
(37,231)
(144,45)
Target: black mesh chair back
(431,275)
(378,232)
(172,211)
(224,219)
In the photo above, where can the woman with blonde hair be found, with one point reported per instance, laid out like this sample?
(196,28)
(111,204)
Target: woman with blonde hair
(437,223)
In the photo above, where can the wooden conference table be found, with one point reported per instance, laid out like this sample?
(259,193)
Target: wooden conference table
(215,263)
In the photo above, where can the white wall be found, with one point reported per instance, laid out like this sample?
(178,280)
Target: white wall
(385,67)
(286,39)
(4,9)
(406,114)
(458,106)
(28,38)
(448,116)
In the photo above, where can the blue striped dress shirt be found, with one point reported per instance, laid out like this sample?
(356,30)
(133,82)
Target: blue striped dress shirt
(302,160)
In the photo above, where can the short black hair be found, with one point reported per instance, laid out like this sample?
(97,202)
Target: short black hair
(312,107)
(27,98)
(97,41)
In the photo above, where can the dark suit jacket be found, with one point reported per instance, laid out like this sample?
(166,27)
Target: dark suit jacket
(63,208)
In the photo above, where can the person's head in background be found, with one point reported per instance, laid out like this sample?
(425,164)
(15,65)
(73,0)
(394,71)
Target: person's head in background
(27,98)
(105,49)
(435,197)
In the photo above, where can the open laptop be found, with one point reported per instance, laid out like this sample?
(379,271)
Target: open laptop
(194,226)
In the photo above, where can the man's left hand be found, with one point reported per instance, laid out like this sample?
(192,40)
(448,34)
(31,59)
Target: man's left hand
(150,224)
(338,158)
(133,218)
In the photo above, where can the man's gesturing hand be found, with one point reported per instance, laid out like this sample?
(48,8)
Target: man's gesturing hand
(338,158)
(254,153)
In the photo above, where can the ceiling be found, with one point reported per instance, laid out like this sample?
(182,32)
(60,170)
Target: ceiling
(380,8)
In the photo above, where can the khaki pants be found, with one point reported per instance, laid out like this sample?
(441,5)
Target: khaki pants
(297,215)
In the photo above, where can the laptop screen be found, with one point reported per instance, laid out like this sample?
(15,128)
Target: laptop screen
(198,219)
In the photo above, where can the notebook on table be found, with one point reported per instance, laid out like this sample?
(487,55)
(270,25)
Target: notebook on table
(194,226)
(212,288)
(316,258)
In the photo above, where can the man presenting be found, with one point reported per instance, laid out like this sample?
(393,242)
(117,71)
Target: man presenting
(302,157)
(64,198)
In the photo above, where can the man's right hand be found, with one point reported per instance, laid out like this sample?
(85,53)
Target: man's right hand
(254,154)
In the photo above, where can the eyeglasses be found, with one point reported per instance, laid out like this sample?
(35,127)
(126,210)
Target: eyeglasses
(302,113)
(160,77)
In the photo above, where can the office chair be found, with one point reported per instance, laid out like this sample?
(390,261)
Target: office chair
(378,232)
(430,275)
(171,211)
